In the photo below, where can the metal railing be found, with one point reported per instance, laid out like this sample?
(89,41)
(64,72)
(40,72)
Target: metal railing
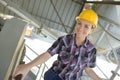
(41,68)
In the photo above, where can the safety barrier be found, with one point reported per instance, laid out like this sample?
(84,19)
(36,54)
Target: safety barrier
(39,69)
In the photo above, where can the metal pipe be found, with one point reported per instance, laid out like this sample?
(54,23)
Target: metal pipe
(115,73)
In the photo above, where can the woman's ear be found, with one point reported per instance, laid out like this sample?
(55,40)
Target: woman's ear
(92,29)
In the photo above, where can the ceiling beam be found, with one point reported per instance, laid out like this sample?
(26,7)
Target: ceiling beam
(104,2)
(98,2)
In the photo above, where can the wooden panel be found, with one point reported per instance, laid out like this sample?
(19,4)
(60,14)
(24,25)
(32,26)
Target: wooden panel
(11,38)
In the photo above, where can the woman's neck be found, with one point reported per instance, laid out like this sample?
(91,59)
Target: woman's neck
(80,40)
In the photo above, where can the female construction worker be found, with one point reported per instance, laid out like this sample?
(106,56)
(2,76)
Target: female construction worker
(75,52)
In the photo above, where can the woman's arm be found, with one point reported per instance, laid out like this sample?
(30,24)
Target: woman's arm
(92,74)
(40,59)
(24,68)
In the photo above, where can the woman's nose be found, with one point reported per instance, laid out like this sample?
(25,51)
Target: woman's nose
(81,28)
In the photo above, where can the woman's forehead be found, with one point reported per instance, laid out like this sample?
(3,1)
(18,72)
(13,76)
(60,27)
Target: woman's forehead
(84,21)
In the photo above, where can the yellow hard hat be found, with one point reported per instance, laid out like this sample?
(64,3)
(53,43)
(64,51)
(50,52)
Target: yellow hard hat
(90,16)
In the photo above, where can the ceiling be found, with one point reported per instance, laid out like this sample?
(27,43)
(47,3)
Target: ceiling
(56,14)
(57,17)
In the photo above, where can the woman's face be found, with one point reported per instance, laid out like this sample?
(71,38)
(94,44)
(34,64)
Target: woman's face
(83,28)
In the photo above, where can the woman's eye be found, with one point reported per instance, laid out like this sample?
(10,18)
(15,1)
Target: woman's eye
(79,23)
(86,26)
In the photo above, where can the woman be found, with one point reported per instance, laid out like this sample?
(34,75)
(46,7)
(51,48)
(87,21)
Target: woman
(75,52)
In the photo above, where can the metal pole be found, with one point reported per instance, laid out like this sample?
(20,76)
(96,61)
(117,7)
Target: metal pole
(115,73)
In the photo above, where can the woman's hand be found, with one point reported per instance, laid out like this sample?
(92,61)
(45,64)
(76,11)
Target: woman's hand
(21,71)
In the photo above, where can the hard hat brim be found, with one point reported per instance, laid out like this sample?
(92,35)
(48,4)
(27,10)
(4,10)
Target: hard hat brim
(78,18)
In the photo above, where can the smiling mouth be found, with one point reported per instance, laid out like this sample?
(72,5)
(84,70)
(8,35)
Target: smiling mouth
(80,32)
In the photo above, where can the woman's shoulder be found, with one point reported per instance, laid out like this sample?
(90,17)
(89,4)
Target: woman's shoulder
(68,36)
(90,45)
